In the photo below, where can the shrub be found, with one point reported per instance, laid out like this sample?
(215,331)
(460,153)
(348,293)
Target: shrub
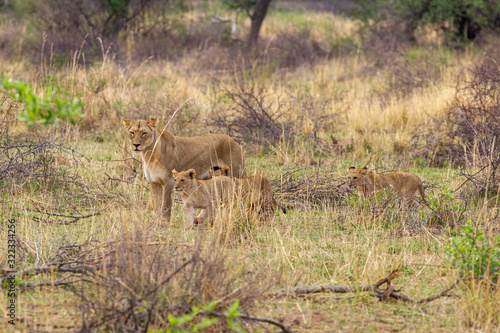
(249,113)
(46,110)
(463,18)
(469,131)
(474,254)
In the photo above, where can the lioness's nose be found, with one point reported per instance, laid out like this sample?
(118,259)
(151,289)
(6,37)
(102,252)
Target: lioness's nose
(137,145)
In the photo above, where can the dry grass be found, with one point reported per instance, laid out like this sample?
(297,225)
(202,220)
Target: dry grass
(350,116)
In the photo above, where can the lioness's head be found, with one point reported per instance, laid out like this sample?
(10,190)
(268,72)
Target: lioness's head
(358,177)
(141,133)
(184,179)
(219,171)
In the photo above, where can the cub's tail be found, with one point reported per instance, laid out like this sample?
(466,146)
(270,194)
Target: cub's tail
(282,207)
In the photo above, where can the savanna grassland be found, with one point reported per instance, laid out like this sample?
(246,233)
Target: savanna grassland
(318,94)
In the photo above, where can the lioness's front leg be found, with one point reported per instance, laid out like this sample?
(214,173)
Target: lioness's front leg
(166,204)
(157,193)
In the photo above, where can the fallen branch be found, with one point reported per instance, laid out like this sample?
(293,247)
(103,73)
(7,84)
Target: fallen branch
(380,293)
(303,291)
(74,218)
(50,269)
(59,282)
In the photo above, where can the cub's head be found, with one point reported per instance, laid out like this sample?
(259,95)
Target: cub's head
(184,180)
(219,171)
(358,177)
(141,133)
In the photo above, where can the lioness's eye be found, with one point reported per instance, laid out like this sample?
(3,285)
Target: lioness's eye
(143,134)
(131,133)
(355,178)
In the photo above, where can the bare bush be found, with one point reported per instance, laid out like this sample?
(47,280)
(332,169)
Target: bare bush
(135,282)
(474,116)
(291,50)
(470,128)
(305,187)
(251,114)
(38,159)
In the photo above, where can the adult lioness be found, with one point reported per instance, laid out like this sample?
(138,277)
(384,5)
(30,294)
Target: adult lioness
(162,152)
(205,194)
(256,190)
(402,183)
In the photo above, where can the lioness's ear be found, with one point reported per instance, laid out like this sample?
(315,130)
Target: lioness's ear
(126,123)
(174,172)
(365,168)
(352,168)
(153,121)
(191,173)
(225,171)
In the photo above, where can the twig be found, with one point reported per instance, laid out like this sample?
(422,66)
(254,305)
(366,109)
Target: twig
(75,218)
(125,181)
(258,319)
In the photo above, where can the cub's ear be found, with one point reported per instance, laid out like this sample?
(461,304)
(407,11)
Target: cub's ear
(191,173)
(352,168)
(174,172)
(365,168)
(225,171)
(126,123)
(153,121)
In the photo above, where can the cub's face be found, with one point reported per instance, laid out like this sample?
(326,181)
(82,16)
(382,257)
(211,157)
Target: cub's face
(218,171)
(140,133)
(358,177)
(184,180)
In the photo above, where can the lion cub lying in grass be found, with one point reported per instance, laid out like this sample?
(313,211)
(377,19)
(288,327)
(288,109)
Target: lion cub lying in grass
(256,191)
(405,184)
(205,194)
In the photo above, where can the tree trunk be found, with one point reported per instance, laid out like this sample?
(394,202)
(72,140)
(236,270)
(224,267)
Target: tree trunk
(257,18)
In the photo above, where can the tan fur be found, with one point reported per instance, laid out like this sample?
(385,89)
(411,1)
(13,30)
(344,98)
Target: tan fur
(405,184)
(205,194)
(256,190)
(162,152)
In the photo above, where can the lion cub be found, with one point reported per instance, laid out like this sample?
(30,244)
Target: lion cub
(205,194)
(402,183)
(256,190)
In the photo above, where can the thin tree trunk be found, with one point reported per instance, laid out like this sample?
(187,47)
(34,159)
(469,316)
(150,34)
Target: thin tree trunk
(257,18)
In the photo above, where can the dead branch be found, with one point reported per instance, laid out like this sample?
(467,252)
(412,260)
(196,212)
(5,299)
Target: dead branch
(303,291)
(50,269)
(59,282)
(381,294)
(74,218)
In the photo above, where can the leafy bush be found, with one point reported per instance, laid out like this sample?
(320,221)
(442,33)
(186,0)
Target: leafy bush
(46,110)
(474,253)
(185,323)
(463,18)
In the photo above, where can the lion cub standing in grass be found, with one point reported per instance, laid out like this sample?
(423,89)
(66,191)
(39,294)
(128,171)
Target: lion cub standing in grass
(405,184)
(256,191)
(205,194)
